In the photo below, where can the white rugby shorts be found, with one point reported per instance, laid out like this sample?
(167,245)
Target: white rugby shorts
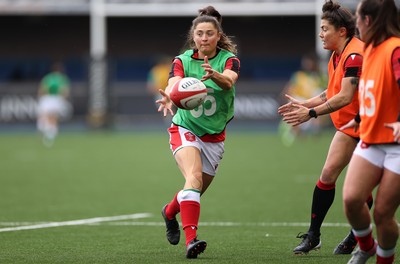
(211,152)
(381,155)
(53,104)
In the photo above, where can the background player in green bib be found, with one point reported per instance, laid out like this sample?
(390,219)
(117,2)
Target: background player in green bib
(197,136)
(53,91)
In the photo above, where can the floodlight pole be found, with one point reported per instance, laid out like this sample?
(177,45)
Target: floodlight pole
(97,107)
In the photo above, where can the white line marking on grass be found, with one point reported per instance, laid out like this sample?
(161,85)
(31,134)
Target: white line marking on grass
(117,221)
(21,223)
(233,224)
(77,222)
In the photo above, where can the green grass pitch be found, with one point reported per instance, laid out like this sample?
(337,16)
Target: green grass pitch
(258,203)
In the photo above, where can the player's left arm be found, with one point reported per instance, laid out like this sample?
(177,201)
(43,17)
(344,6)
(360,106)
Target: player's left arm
(225,79)
(66,87)
(349,86)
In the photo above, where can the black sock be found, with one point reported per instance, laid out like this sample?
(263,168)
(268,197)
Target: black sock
(322,201)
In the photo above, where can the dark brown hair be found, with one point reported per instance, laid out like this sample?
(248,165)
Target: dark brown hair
(384,18)
(339,16)
(210,11)
(210,15)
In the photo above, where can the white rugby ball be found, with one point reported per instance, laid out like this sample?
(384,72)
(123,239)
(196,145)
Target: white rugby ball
(188,93)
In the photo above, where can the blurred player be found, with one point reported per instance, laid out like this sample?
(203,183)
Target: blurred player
(157,79)
(340,100)
(53,92)
(305,83)
(376,160)
(197,136)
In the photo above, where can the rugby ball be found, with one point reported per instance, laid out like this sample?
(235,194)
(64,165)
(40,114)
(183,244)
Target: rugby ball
(188,93)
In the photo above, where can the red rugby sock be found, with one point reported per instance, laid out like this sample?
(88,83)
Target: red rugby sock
(190,213)
(173,208)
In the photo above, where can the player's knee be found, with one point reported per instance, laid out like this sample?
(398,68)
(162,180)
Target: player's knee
(382,216)
(196,181)
(352,202)
(329,175)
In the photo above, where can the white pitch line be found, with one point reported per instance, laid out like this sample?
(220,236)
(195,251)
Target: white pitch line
(117,222)
(77,222)
(233,224)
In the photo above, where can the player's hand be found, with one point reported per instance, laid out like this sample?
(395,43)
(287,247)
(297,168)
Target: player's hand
(350,124)
(208,69)
(396,130)
(165,103)
(288,107)
(297,115)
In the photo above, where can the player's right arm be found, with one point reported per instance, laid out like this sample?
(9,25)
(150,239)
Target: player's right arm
(175,75)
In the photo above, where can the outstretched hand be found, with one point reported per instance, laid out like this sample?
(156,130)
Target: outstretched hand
(165,103)
(208,69)
(293,112)
(288,106)
(297,115)
(396,130)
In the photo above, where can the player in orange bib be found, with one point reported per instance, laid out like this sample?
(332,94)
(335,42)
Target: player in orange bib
(376,159)
(340,100)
